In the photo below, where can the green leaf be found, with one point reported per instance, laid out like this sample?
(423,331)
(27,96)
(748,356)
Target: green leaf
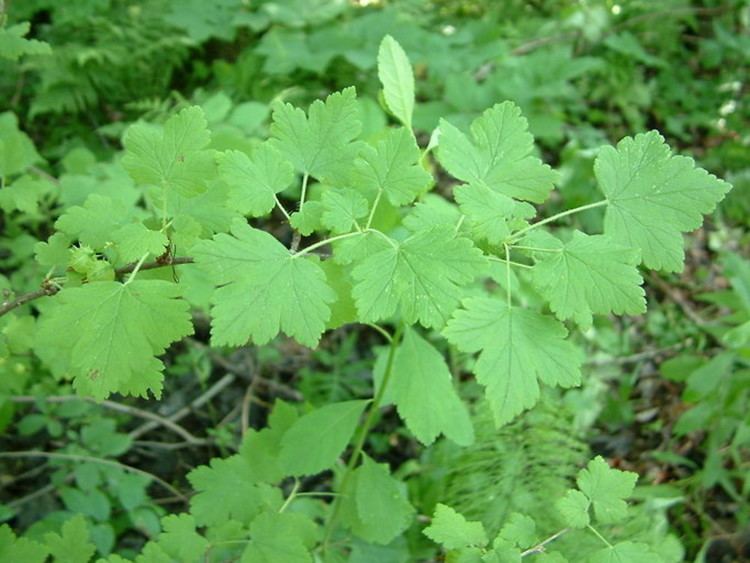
(626,552)
(397,78)
(606,488)
(287,49)
(180,540)
(491,214)
(434,210)
(261,448)
(451,530)
(359,248)
(20,549)
(72,544)
(25,194)
(383,507)
(14,45)
(422,388)
(341,209)
(392,167)
(318,144)
(208,211)
(107,334)
(308,218)
(152,553)
(280,538)
(574,508)
(91,503)
(226,489)
(17,151)
(653,197)
(95,222)
(54,253)
(254,181)
(517,348)
(343,310)
(103,438)
(499,155)
(519,530)
(202,21)
(502,551)
(589,274)
(420,277)
(135,239)
(263,289)
(173,156)
(317,439)
(551,557)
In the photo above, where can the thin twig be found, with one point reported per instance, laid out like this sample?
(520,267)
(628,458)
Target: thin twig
(634,358)
(245,411)
(51,487)
(133,411)
(270,384)
(677,297)
(210,393)
(166,445)
(541,546)
(101,461)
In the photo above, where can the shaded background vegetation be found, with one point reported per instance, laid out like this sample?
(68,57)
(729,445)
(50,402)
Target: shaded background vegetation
(667,394)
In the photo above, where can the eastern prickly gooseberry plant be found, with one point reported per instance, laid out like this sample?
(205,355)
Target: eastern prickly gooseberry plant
(374,239)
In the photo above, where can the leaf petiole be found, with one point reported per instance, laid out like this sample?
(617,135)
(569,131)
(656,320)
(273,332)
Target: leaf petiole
(302,196)
(382,235)
(459,223)
(535,249)
(380,330)
(512,263)
(325,242)
(554,218)
(375,204)
(281,207)
(508,291)
(598,535)
(137,267)
(292,495)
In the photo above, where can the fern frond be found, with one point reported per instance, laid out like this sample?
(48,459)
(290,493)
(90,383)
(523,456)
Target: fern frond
(519,467)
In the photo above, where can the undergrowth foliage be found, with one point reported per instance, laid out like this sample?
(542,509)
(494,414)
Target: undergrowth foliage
(431,275)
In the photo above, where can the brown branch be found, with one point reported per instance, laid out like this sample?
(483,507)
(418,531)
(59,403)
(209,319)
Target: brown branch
(8,306)
(48,288)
